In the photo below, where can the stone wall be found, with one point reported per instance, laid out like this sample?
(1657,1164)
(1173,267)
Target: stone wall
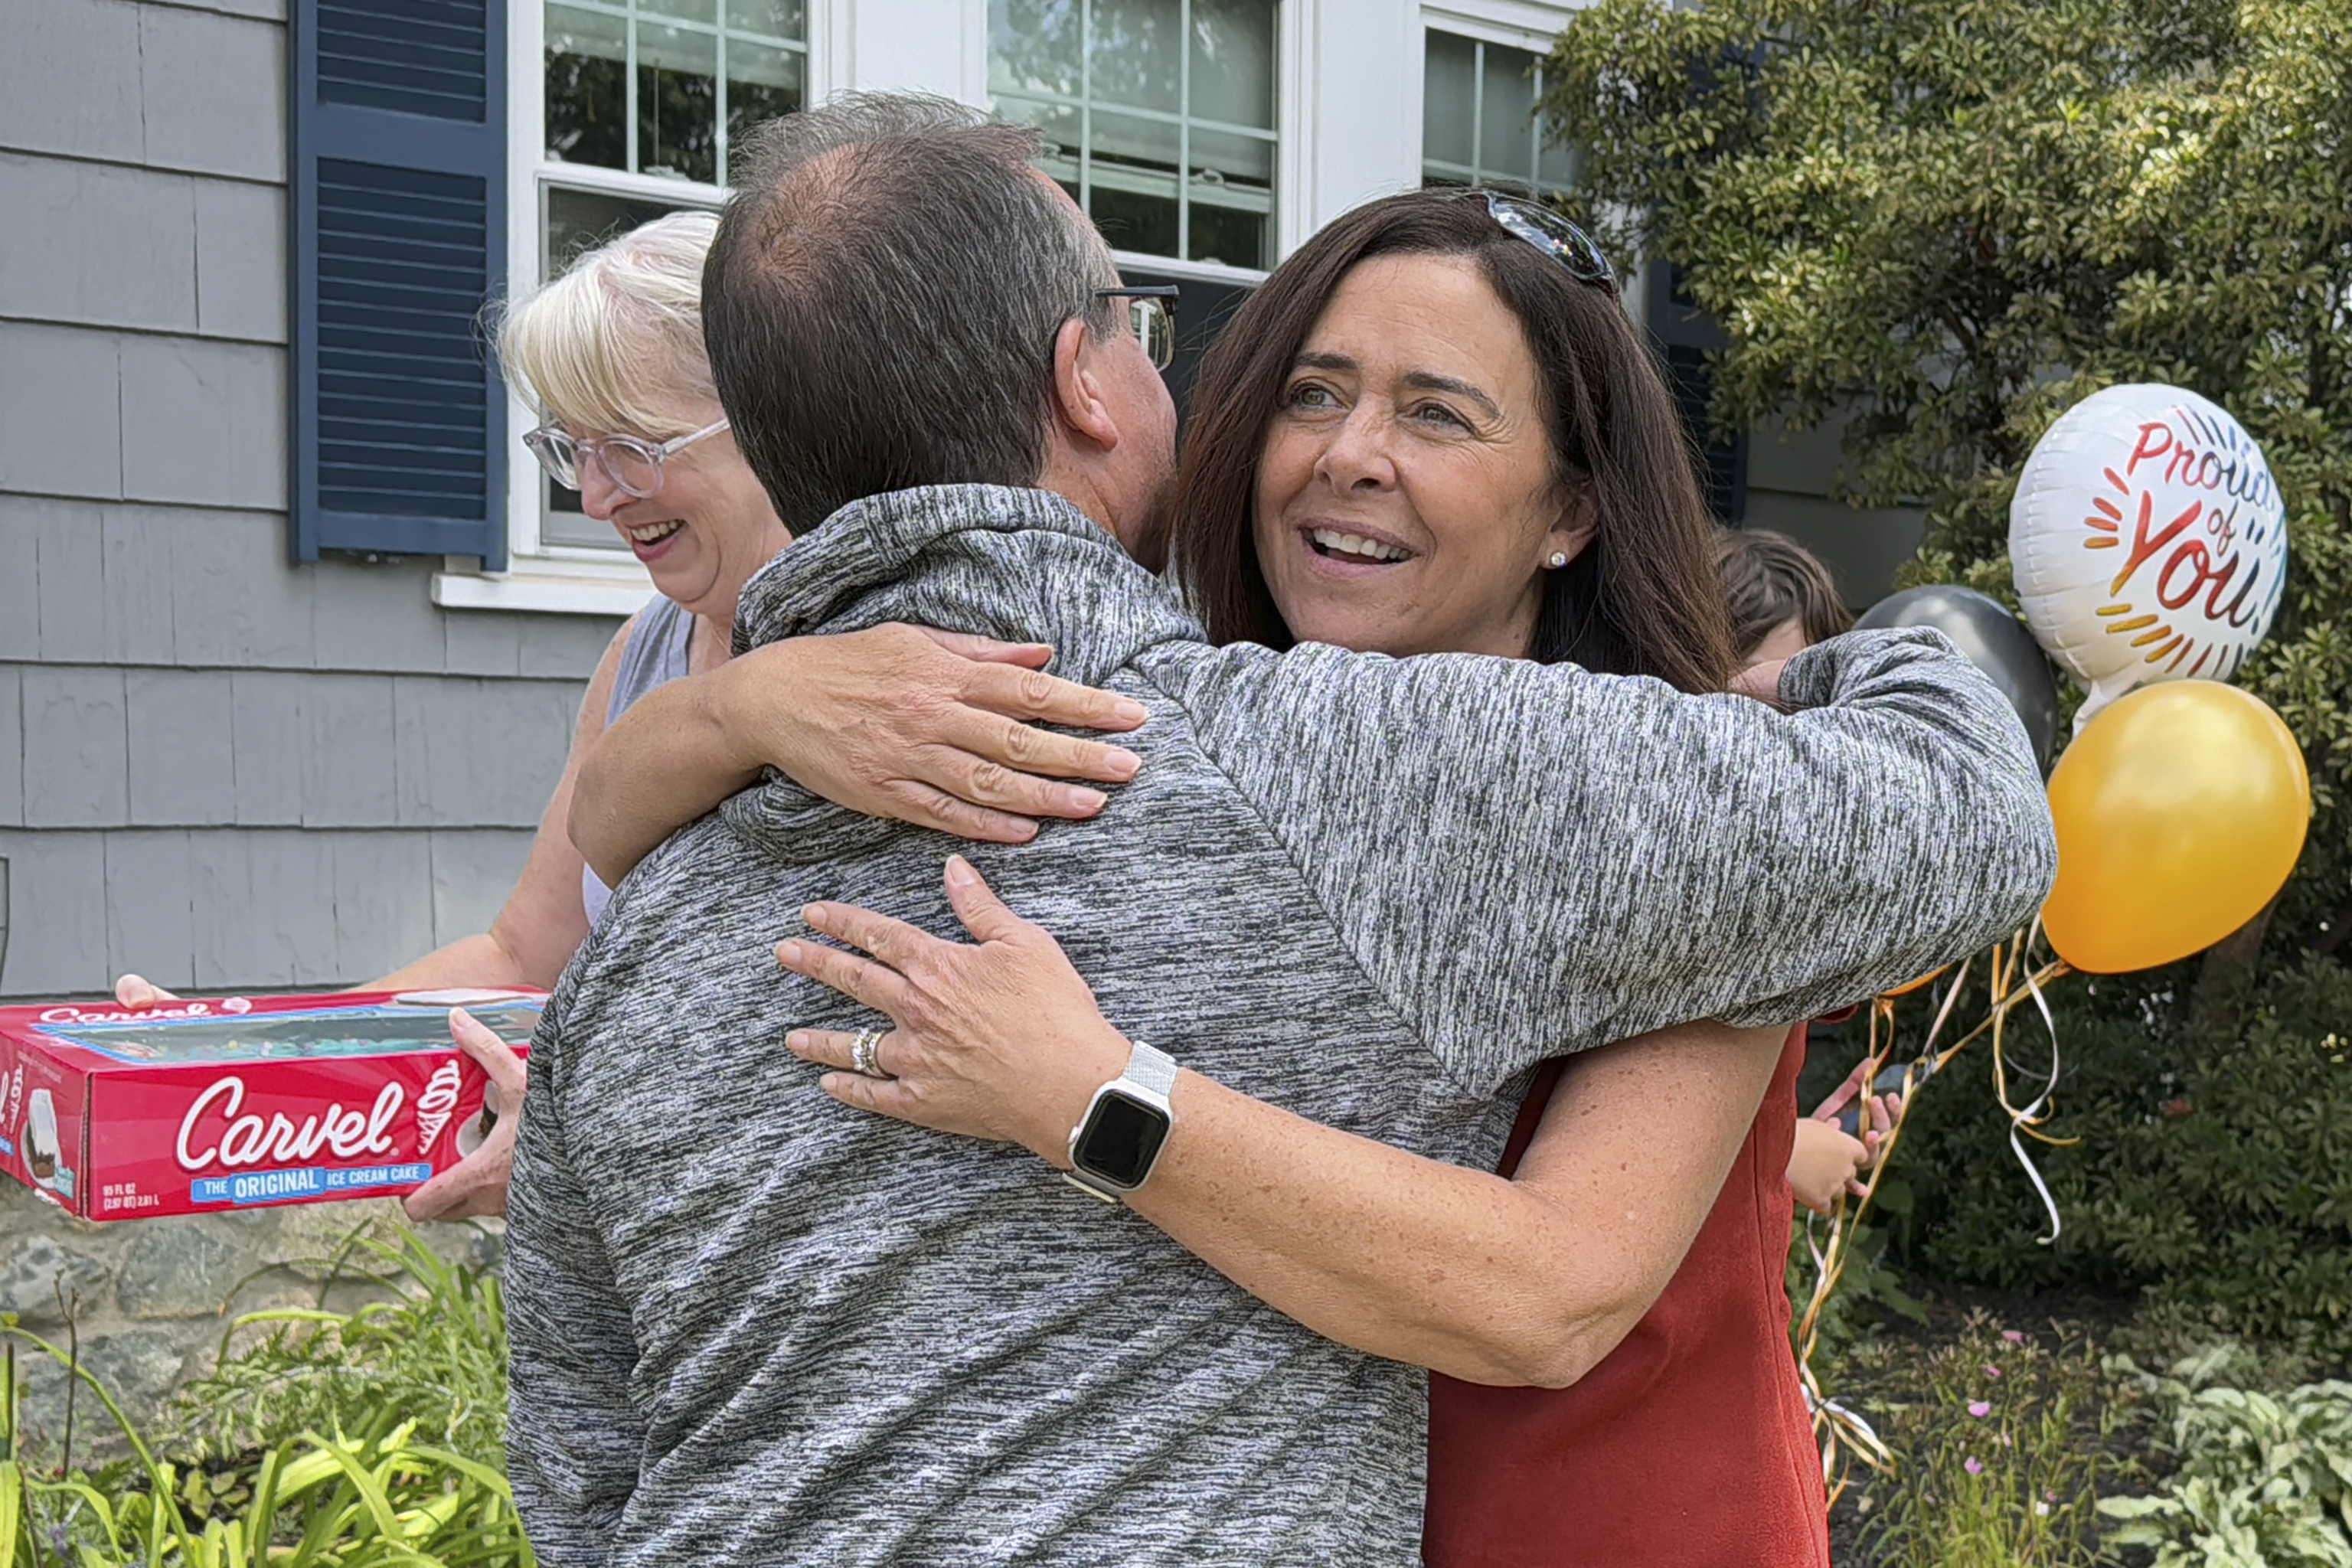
(150,1299)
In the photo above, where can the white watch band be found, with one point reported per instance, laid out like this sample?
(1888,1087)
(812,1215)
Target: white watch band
(1153,1071)
(1150,1076)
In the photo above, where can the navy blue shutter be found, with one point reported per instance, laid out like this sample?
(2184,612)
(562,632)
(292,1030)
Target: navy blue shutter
(397,217)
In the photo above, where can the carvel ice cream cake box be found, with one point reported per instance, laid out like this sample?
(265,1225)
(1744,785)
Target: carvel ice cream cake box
(221,1104)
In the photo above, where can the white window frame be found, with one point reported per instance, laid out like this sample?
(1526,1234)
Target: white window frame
(851,44)
(1532,29)
(544,574)
(1086,177)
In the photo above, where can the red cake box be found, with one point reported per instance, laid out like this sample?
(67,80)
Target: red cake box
(196,1106)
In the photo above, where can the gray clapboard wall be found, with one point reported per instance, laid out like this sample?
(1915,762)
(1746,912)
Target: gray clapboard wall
(216,768)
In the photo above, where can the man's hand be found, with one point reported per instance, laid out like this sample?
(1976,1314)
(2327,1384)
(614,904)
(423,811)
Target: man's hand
(477,1185)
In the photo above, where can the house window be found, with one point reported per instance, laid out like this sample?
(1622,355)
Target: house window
(1478,120)
(660,86)
(643,102)
(1159,117)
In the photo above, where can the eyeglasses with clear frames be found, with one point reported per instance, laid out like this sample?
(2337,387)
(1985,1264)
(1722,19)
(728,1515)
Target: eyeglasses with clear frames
(1152,317)
(635,467)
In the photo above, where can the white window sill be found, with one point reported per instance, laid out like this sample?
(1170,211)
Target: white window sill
(547,587)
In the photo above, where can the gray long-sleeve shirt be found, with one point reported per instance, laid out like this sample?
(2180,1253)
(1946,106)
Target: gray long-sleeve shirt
(753,1326)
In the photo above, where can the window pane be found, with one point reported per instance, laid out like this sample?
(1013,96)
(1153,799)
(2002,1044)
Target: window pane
(773,18)
(1559,165)
(1448,83)
(761,83)
(678,102)
(1033,46)
(1233,61)
(587,89)
(1131,220)
(1230,235)
(1135,53)
(1113,85)
(703,11)
(1507,117)
(1221,158)
(1124,141)
(582,220)
(1061,128)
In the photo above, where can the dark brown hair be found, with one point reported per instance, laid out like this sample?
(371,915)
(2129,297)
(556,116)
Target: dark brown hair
(1769,578)
(1640,599)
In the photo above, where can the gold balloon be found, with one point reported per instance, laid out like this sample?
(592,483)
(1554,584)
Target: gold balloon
(2180,810)
(1928,979)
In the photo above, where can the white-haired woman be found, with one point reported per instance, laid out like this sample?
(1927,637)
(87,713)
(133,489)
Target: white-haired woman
(612,354)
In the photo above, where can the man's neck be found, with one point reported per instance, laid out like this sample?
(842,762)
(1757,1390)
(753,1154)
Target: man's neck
(1075,483)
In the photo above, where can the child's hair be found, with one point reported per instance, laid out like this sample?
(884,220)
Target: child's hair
(1768,579)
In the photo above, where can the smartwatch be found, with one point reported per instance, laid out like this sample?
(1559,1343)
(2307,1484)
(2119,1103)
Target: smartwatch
(1117,1143)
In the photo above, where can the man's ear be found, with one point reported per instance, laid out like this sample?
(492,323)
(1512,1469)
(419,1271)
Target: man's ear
(1079,406)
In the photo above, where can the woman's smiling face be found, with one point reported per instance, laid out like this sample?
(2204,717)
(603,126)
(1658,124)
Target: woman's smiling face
(1407,501)
(707,527)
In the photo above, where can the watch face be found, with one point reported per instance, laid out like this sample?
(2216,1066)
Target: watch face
(1120,1140)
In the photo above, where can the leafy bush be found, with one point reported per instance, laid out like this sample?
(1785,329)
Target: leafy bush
(1945,223)
(2262,1481)
(1999,1450)
(2215,1177)
(303,1450)
(433,1354)
(1869,1289)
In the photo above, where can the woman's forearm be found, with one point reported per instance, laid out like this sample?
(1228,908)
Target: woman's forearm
(471,961)
(1525,1282)
(1458,1270)
(669,760)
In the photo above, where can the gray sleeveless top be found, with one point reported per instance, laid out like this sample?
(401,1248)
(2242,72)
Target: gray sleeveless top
(656,652)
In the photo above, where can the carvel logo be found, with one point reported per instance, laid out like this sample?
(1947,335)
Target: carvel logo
(435,1105)
(233,1004)
(213,1131)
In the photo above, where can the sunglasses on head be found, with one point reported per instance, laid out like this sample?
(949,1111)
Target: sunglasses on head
(1552,234)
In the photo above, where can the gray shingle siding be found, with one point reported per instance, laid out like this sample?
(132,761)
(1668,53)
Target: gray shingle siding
(216,768)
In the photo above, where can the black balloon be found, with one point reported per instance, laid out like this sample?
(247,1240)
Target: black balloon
(1994,640)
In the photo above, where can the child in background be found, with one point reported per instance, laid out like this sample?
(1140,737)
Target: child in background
(1782,602)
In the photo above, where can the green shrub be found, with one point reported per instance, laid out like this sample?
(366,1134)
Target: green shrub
(434,1352)
(2214,1177)
(2262,1481)
(308,1447)
(1945,223)
(1942,224)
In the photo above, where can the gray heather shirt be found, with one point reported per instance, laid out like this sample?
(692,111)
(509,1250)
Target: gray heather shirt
(753,1326)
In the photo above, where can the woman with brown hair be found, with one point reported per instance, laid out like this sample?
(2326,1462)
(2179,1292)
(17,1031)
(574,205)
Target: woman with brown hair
(1434,431)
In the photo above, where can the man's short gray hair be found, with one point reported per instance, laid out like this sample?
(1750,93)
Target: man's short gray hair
(882,299)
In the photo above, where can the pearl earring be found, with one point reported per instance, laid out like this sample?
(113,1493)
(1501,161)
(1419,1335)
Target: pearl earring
(1559,559)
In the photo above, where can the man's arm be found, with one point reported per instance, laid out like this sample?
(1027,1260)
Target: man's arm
(1532,859)
(573,1438)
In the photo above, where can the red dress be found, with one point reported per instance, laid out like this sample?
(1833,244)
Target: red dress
(1689,1445)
